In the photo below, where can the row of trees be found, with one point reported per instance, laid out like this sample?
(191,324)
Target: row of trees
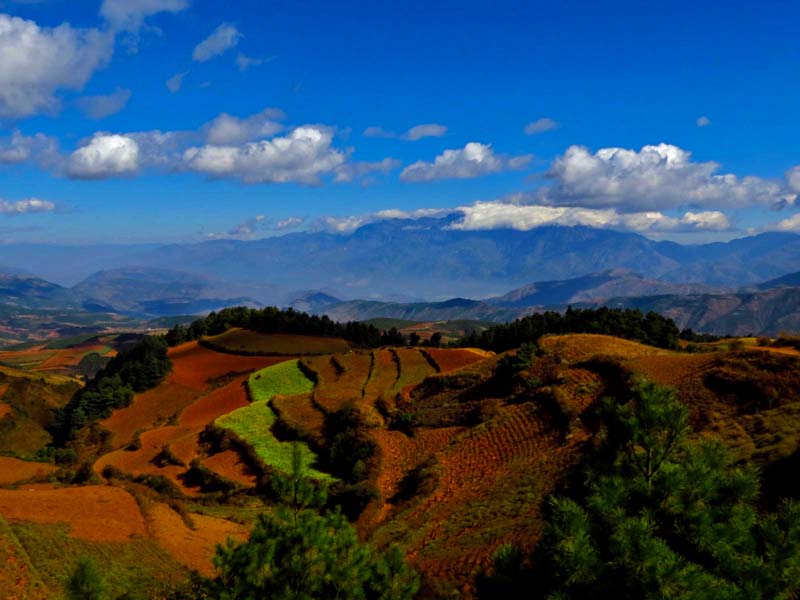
(274,320)
(632,324)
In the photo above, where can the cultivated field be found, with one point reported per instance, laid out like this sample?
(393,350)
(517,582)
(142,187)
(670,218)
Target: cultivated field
(246,342)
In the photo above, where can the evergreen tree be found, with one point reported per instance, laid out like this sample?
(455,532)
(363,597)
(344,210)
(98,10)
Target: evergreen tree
(663,517)
(296,553)
(86,583)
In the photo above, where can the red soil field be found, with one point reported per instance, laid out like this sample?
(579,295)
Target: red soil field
(482,476)
(14,470)
(192,368)
(300,414)
(70,357)
(191,547)
(672,369)
(383,377)
(5,409)
(335,389)
(95,513)
(450,360)
(229,465)
(414,367)
(182,439)
(193,365)
(582,346)
(17,579)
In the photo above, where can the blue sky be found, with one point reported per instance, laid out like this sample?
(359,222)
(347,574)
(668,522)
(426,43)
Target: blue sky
(677,120)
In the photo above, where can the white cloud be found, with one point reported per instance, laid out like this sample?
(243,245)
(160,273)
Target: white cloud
(245,62)
(224,37)
(21,148)
(302,156)
(288,223)
(790,224)
(793,178)
(29,205)
(39,61)
(129,15)
(354,170)
(522,217)
(473,160)
(227,130)
(175,82)
(378,132)
(659,177)
(106,155)
(540,126)
(703,121)
(426,130)
(100,107)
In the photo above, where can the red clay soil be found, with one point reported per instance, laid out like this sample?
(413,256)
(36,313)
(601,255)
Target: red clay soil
(70,357)
(194,366)
(14,470)
(383,377)
(182,439)
(5,409)
(450,360)
(299,413)
(481,475)
(191,547)
(95,513)
(228,464)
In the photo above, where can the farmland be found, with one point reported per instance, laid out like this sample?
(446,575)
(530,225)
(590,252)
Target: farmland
(462,463)
(246,342)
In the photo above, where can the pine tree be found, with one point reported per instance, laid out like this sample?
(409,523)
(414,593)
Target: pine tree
(86,583)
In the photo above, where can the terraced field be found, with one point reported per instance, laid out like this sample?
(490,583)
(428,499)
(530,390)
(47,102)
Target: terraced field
(246,342)
(254,423)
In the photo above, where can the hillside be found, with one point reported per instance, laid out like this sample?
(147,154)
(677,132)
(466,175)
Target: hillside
(460,454)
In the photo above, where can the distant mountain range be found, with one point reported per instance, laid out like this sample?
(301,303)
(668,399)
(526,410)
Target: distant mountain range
(139,292)
(422,259)
(421,270)
(769,308)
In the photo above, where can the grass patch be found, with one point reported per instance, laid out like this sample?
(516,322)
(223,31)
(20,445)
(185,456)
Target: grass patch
(139,566)
(253,424)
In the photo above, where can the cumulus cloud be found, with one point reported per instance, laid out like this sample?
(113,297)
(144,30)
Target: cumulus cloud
(540,126)
(100,107)
(106,155)
(473,160)
(129,15)
(659,177)
(39,61)
(224,37)
(522,217)
(229,130)
(29,205)
(703,121)
(426,130)
(302,156)
(354,170)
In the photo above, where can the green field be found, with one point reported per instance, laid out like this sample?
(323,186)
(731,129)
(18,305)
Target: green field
(285,379)
(253,424)
(244,341)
